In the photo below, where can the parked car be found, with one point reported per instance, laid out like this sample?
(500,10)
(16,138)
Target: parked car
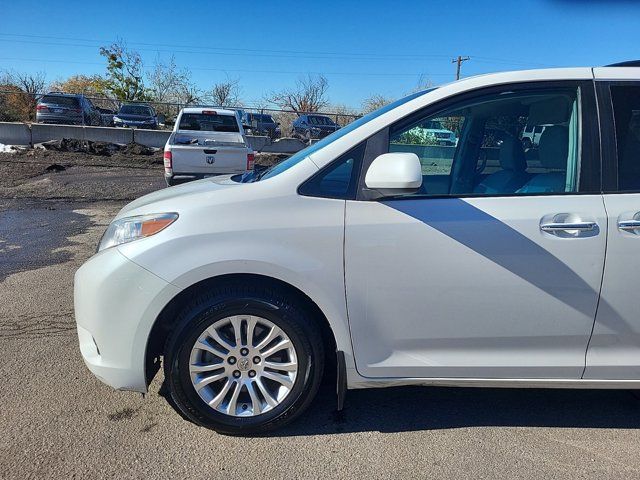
(136,115)
(67,109)
(309,127)
(263,124)
(106,116)
(206,142)
(365,252)
(437,133)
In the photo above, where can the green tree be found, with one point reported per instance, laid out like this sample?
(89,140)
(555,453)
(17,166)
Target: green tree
(125,73)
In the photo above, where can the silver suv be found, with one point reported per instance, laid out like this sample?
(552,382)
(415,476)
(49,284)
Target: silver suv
(68,109)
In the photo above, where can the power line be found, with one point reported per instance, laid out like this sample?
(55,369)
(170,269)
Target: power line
(363,74)
(253,52)
(270,53)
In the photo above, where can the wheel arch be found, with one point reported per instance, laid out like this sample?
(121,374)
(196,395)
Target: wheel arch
(165,321)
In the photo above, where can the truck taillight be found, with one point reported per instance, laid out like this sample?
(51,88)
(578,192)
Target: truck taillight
(42,108)
(167,160)
(250,160)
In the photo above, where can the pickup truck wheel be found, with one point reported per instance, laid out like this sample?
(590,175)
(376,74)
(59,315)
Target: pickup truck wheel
(243,359)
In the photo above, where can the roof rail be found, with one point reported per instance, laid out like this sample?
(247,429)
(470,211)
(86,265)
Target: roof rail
(630,63)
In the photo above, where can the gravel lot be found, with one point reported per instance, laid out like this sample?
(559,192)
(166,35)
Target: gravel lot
(57,420)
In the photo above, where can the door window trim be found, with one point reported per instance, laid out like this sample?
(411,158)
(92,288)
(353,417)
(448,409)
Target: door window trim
(607,122)
(590,162)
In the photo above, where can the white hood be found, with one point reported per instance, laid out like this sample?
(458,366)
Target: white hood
(180,191)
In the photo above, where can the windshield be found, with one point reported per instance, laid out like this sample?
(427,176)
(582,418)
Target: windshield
(313,120)
(135,110)
(302,154)
(208,122)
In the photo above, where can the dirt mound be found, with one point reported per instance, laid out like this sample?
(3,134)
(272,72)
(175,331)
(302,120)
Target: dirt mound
(96,148)
(136,149)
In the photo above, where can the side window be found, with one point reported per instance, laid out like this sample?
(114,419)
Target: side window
(511,143)
(626,110)
(338,179)
(433,140)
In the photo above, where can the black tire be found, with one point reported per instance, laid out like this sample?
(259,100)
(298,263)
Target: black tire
(235,299)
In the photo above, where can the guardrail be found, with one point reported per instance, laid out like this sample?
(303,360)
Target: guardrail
(27,135)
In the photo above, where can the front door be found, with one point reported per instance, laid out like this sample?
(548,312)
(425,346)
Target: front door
(492,269)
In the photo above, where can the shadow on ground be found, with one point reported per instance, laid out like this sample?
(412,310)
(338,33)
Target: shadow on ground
(404,409)
(407,409)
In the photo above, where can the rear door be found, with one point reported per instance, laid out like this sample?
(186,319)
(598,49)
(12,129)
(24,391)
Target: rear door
(493,269)
(614,350)
(209,143)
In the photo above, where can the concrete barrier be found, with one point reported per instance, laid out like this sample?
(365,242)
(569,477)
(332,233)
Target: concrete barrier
(285,145)
(23,134)
(15,133)
(43,133)
(108,134)
(151,138)
(258,142)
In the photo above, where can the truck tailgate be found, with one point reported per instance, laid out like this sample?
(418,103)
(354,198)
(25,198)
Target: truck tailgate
(209,159)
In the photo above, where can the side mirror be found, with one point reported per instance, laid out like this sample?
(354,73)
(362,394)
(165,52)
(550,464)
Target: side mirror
(393,174)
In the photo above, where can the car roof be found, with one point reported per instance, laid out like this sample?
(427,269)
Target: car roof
(135,105)
(219,111)
(62,94)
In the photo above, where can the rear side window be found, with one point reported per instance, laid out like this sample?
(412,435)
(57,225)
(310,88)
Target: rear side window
(209,123)
(61,100)
(626,110)
(338,179)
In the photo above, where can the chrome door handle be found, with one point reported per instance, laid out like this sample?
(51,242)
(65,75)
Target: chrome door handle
(629,225)
(580,226)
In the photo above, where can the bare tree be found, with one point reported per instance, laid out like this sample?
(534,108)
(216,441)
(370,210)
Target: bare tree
(308,95)
(374,102)
(225,93)
(166,81)
(423,83)
(30,83)
(343,115)
(19,97)
(189,94)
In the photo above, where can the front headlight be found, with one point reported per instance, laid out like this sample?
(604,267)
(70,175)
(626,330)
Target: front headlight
(117,119)
(129,229)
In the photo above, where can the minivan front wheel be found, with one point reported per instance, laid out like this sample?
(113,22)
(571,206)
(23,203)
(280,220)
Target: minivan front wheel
(244,360)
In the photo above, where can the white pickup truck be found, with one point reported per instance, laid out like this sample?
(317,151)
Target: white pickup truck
(206,142)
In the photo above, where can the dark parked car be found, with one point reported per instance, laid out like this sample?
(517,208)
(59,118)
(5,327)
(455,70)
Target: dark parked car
(136,115)
(107,116)
(313,126)
(263,124)
(67,109)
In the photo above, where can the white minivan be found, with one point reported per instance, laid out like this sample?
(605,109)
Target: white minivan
(395,262)
(206,142)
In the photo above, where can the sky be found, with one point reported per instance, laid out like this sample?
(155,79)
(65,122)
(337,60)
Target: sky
(363,48)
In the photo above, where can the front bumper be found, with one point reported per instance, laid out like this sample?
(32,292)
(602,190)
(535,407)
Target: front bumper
(116,303)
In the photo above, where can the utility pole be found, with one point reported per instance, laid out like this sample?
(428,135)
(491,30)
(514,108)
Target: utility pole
(459,61)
